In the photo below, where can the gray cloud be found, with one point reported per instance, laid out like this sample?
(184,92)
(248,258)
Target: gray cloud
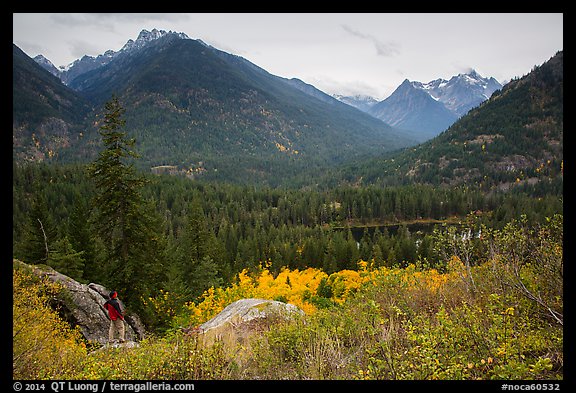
(32,47)
(144,17)
(82,20)
(349,87)
(107,21)
(386,49)
(79,48)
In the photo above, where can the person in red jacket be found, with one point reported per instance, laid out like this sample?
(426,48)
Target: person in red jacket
(116,314)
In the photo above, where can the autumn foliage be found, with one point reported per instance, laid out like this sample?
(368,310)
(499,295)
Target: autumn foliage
(297,287)
(44,346)
(498,319)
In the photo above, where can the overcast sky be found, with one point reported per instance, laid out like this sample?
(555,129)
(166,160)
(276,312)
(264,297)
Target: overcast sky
(339,53)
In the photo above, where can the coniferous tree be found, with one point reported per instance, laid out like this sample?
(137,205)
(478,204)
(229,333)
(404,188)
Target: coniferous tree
(82,240)
(66,260)
(196,252)
(377,255)
(205,275)
(352,254)
(122,219)
(366,246)
(39,233)
(330,264)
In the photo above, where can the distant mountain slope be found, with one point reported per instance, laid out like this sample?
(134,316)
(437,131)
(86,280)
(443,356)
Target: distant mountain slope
(47,116)
(217,115)
(362,102)
(312,91)
(430,108)
(412,108)
(87,63)
(462,92)
(515,137)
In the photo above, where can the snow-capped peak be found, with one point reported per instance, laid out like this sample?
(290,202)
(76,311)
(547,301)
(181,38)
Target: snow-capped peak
(47,65)
(473,74)
(357,97)
(146,36)
(461,92)
(87,63)
(143,39)
(360,101)
(42,60)
(471,77)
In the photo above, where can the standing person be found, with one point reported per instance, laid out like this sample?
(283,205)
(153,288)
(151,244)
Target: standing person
(116,314)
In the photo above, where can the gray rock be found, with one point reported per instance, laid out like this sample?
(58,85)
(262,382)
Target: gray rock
(238,322)
(83,305)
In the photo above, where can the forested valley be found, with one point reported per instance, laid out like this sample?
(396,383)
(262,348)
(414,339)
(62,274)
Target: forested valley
(242,227)
(380,299)
(444,261)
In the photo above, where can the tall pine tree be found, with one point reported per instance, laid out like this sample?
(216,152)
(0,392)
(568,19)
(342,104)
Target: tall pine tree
(126,225)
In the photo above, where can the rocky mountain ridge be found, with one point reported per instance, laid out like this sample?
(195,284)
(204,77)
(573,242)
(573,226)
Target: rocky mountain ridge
(215,114)
(424,120)
(514,138)
(461,92)
(430,108)
(88,63)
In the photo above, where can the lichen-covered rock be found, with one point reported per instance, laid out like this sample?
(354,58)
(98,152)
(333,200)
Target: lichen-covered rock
(241,319)
(83,305)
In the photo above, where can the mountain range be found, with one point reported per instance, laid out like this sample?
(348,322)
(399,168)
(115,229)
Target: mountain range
(426,109)
(423,116)
(204,112)
(513,138)
(360,101)
(200,109)
(87,63)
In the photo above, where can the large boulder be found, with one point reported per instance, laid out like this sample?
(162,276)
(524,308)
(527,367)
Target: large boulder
(240,320)
(83,305)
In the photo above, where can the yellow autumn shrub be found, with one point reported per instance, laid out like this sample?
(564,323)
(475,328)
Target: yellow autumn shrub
(44,346)
(295,287)
(290,286)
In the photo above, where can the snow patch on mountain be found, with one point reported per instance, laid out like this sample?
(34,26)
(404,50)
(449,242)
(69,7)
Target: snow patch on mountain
(87,63)
(462,92)
(359,101)
(46,64)
(145,37)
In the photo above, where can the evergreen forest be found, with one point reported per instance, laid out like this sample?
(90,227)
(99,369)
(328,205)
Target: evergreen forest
(410,280)
(415,266)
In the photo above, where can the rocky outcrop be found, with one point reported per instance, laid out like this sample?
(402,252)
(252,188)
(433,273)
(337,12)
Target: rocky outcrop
(242,319)
(83,305)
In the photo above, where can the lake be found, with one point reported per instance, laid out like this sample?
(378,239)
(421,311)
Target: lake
(418,228)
